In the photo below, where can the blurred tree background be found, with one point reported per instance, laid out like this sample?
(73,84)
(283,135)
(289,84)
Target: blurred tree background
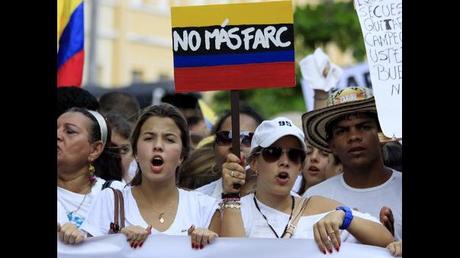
(314,26)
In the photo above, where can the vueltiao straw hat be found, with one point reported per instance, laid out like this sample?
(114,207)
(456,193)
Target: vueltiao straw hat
(342,102)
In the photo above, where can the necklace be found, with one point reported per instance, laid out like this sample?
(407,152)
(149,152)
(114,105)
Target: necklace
(273,230)
(161,217)
(70,214)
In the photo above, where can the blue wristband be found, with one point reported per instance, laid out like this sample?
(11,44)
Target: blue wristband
(347,218)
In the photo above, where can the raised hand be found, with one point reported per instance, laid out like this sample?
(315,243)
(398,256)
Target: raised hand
(232,173)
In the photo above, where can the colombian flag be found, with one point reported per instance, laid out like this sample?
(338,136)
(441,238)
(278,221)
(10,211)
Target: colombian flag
(233,46)
(71,42)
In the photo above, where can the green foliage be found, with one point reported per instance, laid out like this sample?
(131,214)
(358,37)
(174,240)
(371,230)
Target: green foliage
(314,26)
(268,102)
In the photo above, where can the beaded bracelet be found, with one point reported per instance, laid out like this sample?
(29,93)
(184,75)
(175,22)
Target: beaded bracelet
(230,205)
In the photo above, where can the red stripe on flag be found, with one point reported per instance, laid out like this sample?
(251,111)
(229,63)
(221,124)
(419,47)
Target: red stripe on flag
(235,77)
(71,72)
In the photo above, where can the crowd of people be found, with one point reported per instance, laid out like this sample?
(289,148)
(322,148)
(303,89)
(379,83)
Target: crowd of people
(162,170)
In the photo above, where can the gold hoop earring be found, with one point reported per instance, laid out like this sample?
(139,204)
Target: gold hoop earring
(91,169)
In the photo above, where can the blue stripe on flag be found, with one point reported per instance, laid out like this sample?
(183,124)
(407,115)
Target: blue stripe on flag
(72,38)
(234,59)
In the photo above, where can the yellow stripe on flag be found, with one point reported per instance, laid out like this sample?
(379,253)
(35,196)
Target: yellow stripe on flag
(237,14)
(65,10)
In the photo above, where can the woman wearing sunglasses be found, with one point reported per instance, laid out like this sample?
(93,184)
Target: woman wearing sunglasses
(277,157)
(249,120)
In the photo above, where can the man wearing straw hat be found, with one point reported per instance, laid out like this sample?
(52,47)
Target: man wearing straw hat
(348,127)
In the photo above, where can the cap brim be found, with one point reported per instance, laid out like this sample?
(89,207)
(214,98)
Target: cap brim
(269,141)
(314,123)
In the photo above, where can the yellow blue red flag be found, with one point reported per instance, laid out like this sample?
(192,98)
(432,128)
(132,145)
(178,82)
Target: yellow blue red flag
(233,46)
(71,53)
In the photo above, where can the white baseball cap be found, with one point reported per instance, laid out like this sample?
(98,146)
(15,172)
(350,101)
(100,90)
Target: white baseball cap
(269,131)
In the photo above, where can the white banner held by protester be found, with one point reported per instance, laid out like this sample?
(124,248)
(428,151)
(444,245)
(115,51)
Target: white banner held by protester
(381,23)
(160,246)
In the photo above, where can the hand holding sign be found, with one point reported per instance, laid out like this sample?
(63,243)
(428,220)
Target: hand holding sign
(233,47)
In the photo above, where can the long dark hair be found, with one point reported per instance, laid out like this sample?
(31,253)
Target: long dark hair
(108,164)
(162,110)
(244,109)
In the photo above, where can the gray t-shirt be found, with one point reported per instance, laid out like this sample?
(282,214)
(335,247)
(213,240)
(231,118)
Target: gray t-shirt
(368,200)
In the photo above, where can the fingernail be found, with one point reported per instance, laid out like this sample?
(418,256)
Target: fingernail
(201,246)
(337,248)
(193,246)
(330,250)
(324,251)
(143,243)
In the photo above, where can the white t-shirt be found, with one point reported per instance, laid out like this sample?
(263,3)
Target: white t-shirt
(68,202)
(194,209)
(213,189)
(256,226)
(369,200)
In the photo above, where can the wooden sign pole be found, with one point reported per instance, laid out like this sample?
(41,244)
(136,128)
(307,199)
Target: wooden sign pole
(235,110)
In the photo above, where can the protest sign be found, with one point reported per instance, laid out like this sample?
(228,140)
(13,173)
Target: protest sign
(233,46)
(355,75)
(381,24)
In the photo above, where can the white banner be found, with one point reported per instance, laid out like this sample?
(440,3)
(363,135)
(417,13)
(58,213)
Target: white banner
(164,246)
(381,23)
(356,75)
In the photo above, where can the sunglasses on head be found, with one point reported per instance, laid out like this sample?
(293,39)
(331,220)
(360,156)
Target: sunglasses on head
(272,154)
(225,138)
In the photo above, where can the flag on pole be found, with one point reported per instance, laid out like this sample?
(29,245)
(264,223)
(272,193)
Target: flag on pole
(71,51)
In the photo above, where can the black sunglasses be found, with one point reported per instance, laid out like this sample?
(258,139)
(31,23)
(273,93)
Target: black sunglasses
(272,154)
(225,138)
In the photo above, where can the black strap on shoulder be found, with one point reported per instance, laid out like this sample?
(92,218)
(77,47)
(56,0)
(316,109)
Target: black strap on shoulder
(106,184)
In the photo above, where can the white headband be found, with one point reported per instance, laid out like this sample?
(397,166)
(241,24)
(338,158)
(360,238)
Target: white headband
(102,125)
